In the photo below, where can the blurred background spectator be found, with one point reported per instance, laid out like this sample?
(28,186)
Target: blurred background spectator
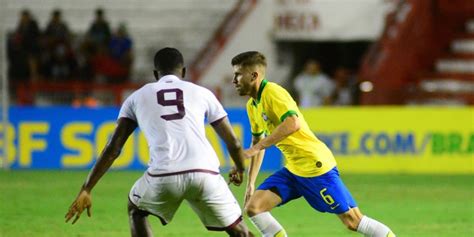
(23,49)
(345,92)
(95,41)
(98,34)
(113,64)
(314,88)
(58,59)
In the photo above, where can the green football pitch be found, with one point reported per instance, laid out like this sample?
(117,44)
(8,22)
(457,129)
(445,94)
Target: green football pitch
(33,203)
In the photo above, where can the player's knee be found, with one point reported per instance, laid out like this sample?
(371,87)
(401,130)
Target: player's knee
(352,225)
(249,211)
(351,221)
(252,209)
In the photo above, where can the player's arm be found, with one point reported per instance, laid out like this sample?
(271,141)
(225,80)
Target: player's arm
(255,162)
(112,150)
(224,129)
(290,125)
(124,128)
(254,169)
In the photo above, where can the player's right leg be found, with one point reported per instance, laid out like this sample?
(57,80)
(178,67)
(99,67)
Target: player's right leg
(262,201)
(258,209)
(277,189)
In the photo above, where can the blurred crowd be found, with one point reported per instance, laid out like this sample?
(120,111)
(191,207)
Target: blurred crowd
(315,88)
(311,87)
(54,53)
(102,55)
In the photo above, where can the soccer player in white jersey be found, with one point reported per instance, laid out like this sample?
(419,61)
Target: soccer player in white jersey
(183,166)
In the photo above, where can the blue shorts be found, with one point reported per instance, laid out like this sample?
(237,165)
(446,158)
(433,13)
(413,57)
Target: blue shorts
(325,193)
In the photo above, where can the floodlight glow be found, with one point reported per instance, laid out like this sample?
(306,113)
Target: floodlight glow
(366,86)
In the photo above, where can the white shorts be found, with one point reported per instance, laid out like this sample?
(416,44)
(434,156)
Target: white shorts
(207,193)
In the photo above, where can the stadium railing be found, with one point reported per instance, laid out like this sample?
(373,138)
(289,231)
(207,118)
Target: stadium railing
(27,92)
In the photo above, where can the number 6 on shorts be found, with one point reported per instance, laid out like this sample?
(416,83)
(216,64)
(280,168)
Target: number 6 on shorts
(327,198)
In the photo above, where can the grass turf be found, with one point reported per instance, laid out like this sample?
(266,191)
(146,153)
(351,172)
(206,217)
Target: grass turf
(33,203)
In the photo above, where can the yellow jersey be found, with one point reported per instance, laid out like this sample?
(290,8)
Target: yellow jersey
(305,154)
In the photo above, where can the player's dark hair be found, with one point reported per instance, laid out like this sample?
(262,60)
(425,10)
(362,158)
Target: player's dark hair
(250,58)
(167,60)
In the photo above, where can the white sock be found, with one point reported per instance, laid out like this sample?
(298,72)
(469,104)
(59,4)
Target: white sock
(267,225)
(372,228)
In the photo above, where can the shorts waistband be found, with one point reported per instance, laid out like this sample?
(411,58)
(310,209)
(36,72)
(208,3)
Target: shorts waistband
(183,172)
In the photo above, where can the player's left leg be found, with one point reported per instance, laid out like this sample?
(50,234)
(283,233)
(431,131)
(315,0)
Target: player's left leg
(139,225)
(211,199)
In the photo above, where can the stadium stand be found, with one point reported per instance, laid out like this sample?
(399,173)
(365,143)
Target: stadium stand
(186,25)
(425,55)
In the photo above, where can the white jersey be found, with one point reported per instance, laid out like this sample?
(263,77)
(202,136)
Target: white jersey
(313,89)
(171,113)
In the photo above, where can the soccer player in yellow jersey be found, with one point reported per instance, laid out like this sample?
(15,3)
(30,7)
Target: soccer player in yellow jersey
(310,169)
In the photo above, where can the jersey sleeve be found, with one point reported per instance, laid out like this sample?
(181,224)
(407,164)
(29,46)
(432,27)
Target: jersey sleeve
(255,128)
(280,103)
(128,109)
(215,110)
